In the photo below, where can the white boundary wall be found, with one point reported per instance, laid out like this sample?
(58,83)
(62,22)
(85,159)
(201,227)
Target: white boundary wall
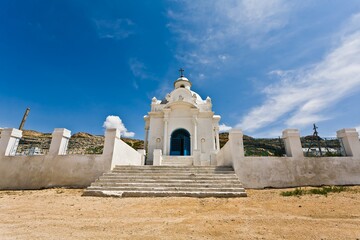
(297,170)
(57,169)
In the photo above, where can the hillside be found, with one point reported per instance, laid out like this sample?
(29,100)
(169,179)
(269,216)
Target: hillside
(258,146)
(79,143)
(85,143)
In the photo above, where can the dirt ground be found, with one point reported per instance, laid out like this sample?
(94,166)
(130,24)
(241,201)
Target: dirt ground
(264,214)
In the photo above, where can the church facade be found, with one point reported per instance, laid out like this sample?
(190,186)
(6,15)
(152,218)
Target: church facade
(183,126)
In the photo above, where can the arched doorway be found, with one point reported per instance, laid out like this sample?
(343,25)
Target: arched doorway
(180,143)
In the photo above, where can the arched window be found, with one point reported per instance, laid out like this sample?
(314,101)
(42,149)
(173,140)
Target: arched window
(180,143)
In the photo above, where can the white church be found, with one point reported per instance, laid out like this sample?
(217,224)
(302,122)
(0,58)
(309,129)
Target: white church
(182,128)
(183,158)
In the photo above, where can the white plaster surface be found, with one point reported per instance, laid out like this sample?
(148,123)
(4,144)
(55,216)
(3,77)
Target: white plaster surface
(54,170)
(157,157)
(280,172)
(118,151)
(43,171)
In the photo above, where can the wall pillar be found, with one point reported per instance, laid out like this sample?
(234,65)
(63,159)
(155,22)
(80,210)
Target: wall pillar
(350,141)
(196,154)
(143,154)
(9,141)
(157,157)
(213,158)
(111,134)
(217,138)
(237,143)
(292,142)
(59,141)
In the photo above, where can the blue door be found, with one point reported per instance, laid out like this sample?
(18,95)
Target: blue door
(180,143)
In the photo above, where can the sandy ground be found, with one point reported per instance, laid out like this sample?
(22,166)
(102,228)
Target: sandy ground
(65,214)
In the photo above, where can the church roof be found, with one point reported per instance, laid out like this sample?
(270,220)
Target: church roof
(183,82)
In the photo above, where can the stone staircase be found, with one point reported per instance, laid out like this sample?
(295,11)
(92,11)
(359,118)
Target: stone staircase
(167,181)
(177,160)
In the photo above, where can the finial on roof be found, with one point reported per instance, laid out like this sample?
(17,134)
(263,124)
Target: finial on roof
(181,72)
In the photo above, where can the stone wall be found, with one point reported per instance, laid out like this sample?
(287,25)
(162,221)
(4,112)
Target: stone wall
(56,169)
(293,170)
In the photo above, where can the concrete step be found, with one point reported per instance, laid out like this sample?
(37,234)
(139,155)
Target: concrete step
(161,181)
(174,168)
(165,184)
(171,171)
(105,193)
(187,181)
(161,177)
(173,189)
(179,174)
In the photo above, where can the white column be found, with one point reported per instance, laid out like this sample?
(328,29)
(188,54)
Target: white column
(59,141)
(195,134)
(213,137)
(217,138)
(292,143)
(165,136)
(146,138)
(9,141)
(350,141)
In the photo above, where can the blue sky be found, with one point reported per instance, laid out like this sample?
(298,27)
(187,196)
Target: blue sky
(267,65)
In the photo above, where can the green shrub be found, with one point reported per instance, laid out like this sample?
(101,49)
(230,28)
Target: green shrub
(296,192)
(321,191)
(325,190)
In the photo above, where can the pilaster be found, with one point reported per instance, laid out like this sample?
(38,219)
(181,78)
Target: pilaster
(292,143)
(59,141)
(350,141)
(9,141)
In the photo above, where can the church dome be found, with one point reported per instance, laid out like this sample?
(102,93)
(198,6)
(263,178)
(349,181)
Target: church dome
(182,82)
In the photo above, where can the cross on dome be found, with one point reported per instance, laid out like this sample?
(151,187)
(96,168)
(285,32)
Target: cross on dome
(182,82)
(181,72)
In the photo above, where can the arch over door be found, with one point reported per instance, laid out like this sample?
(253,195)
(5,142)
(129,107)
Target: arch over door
(180,143)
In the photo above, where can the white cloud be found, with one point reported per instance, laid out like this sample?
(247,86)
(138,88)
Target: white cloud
(135,85)
(357,128)
(210,27)
(138,68)
(304,94)
(115,122)
(224,128)
(115,29)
